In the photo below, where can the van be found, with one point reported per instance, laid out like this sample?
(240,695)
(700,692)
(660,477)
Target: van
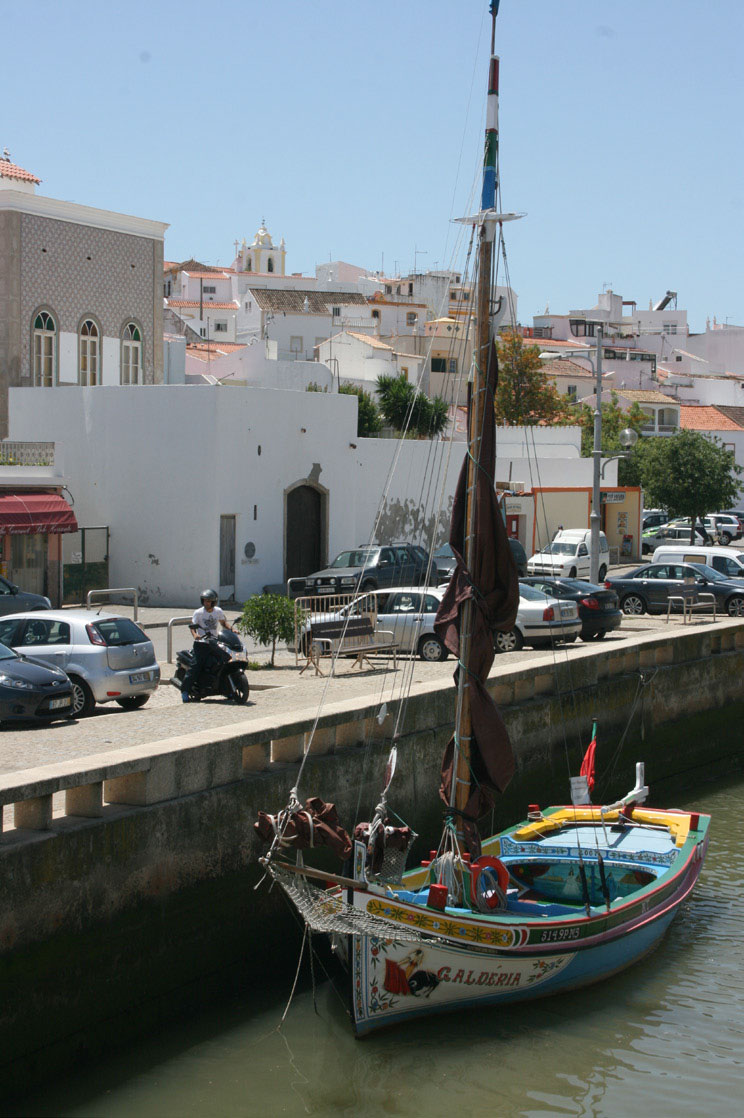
(728,561)
(569,555)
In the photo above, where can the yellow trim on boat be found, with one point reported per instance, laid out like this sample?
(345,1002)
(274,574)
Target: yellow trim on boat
(677,822)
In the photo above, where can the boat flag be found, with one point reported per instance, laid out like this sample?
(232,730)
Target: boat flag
(587,765)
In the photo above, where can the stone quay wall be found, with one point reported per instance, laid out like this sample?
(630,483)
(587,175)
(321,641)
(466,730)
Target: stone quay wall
(127,886)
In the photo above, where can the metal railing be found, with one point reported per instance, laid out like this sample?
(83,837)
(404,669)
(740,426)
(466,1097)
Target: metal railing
(169,636)
(113,590)
(321,607)
(18,453)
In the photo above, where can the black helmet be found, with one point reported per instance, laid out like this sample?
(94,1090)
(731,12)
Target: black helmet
(210,596)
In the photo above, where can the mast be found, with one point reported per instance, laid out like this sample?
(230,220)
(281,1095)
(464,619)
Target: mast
(478,396)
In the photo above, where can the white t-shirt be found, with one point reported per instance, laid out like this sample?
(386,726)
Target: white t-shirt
(208,621)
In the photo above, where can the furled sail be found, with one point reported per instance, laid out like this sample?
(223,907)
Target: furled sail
(492,585)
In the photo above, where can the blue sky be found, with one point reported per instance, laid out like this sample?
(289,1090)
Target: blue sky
(356,130)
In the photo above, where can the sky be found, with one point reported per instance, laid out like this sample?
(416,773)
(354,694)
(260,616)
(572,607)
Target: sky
(356,131)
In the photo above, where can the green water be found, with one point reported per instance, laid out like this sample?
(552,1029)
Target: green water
(664,1038)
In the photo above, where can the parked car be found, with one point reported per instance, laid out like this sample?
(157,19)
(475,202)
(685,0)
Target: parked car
(367,568)
(406,611)
(541,621)
(724,526)
(30,690)
(648,588)
(599,610)
(668,534)
(568,555)
(728,561)
(444,560)
(652,518)
(107,658)
(705,526)
(13,599)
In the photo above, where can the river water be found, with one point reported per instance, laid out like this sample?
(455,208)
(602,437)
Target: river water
(664,1038)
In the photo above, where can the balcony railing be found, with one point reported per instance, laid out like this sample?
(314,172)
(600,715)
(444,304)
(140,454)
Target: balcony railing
(26,453)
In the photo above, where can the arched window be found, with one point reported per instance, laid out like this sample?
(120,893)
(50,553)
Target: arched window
(271,264)
(131,354)
(44,350)
(89,353)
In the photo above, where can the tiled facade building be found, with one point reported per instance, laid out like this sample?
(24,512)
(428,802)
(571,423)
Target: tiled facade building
(80,293)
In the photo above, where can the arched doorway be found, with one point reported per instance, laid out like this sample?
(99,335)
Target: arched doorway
(304,532)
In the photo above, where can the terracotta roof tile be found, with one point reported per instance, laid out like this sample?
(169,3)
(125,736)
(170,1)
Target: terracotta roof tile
(206,352)
(10,170)
(369,339)
(645,396)
(561,366)
(292,301)
(706,417)
(205,275)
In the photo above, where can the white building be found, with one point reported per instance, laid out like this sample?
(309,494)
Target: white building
(278,484)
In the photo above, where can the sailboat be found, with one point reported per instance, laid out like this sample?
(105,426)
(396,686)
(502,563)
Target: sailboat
(566,897)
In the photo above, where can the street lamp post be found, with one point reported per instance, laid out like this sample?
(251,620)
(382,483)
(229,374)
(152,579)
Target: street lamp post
(595,518)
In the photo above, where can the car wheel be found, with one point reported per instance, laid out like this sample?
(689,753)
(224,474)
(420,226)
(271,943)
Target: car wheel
(735,607)
(82,697)
(633,604)
(600,636)
(132,702)
(725,539)
(430,648)
(602,573)
(369,584)
(508,642)
(572,573)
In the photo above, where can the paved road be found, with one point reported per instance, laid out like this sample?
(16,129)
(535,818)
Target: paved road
(275,690)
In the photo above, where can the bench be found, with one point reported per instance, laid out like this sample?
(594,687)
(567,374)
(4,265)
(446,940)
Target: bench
(353,636)
(689,600)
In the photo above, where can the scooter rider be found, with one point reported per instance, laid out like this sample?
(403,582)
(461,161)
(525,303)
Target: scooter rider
(205,622)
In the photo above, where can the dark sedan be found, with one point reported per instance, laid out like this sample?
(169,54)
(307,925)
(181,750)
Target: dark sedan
(14,600)
(369,568)
(444,560)
(648,589)
(30,690)
(599,611)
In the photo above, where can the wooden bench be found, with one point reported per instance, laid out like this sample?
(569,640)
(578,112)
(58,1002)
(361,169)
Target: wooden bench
(353,636)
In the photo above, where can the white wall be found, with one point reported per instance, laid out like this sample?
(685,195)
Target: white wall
(160,464)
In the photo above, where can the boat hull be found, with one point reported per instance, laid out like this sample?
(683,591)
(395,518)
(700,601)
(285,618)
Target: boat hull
(393,981)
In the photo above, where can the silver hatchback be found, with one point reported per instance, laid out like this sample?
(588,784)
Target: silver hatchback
(107,658)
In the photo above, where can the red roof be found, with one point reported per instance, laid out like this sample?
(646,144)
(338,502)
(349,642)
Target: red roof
(705,418)
(9,170)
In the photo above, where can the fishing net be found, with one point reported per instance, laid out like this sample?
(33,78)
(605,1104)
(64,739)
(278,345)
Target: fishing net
(326,911)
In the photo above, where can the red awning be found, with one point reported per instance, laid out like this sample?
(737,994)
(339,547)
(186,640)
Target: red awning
(24,514)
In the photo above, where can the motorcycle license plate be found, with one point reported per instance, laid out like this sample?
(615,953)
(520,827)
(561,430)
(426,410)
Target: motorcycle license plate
(140,677)
(58,704)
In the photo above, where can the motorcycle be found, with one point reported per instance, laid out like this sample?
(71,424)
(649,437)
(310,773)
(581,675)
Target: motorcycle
(222,674)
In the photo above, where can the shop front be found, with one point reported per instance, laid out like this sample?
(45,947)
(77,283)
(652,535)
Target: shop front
(32,523)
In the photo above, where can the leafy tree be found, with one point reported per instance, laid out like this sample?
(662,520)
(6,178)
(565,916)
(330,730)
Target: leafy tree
(689,475)
(525,396)
(268,618)
(614,420)
(369,420)
(405,407)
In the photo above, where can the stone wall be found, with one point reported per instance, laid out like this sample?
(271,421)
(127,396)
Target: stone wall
(135,899)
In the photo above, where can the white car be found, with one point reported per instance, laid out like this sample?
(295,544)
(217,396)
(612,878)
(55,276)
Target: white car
(541,621)
(568,555)
(106,657)
(409,611)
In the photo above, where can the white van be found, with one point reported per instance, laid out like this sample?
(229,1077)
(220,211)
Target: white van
(568,555)
(728,561)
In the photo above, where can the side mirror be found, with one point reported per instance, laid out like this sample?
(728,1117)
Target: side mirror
(13,588)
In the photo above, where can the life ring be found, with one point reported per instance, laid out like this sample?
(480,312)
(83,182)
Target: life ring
(489,880)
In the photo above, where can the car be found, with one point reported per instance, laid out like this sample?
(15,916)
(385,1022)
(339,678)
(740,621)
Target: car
(444,560)
(599,610)
(409,611)
(13,599)
(652,518)
(30,690)
(651,538)
(367,568)
(728,561)
(669,534)
(725,526)
(648,589)
(569,555)
(541,621)
(106,657)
